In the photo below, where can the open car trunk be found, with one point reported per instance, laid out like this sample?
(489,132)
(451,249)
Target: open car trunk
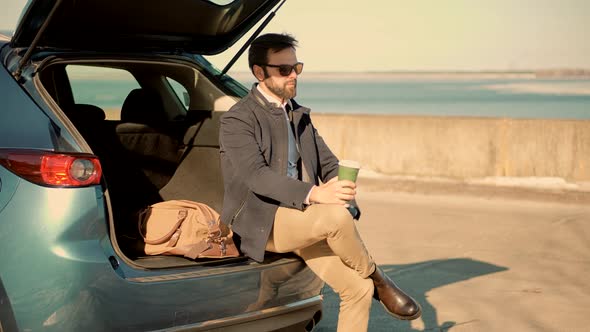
(153,123)
(155,127)
(140,94)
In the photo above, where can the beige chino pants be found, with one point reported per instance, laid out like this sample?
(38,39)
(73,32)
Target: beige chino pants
(326,238)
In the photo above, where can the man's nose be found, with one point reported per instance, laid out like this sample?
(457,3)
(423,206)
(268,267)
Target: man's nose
(292,74)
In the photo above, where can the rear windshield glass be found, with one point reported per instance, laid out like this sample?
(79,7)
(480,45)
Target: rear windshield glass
(106,88)
(221,2)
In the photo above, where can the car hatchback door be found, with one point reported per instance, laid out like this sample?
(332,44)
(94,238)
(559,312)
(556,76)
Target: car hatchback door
(194,26)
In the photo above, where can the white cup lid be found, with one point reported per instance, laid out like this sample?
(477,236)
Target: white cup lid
(350,163)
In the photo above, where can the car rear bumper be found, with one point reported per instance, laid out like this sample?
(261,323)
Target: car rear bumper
(305,313)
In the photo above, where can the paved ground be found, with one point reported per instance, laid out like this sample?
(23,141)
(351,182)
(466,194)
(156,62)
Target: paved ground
(479,260)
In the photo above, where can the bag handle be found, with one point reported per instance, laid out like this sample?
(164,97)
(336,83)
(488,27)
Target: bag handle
(181,217)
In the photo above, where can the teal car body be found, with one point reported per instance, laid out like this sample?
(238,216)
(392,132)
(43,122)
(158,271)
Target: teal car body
(64,265)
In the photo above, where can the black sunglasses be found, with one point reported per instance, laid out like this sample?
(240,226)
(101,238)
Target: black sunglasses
(285,70)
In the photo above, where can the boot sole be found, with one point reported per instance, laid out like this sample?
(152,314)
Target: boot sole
(414,316)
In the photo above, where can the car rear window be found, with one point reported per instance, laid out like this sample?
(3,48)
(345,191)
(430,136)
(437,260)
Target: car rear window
(106,88)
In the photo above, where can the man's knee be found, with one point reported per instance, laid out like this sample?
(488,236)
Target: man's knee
(335,217)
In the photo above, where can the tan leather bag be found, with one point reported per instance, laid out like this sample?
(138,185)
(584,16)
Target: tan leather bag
(185,228)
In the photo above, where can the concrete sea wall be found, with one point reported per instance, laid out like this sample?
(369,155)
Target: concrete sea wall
(461,147)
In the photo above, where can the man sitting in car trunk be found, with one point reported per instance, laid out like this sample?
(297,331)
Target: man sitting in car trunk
(273,160)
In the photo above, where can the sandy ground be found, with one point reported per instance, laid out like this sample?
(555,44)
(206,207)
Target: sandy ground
(478,258)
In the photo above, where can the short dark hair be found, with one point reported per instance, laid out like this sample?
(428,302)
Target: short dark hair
(258,53)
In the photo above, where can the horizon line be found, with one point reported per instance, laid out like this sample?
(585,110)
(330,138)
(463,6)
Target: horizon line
(438,74)
(572,70)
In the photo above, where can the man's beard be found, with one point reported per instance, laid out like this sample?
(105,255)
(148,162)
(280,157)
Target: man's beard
(284,92)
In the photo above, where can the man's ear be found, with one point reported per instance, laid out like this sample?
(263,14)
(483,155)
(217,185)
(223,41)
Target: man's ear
(258,72)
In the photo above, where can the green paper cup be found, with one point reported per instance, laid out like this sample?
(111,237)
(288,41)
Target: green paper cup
(348,170)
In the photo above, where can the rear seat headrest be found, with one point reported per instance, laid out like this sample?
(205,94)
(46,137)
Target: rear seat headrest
(144,107)
(85,113)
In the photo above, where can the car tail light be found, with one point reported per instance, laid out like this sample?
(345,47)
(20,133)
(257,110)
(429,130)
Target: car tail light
(53,169)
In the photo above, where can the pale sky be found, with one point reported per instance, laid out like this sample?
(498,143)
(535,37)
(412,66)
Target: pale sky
(385,35)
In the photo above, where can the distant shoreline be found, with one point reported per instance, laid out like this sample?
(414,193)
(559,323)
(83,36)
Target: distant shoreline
(469,75)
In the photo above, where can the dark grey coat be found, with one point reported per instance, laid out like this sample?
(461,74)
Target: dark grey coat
(254,152)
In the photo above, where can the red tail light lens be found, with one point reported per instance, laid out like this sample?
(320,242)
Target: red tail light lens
(53,169)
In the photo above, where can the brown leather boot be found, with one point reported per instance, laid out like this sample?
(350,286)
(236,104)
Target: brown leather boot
(394,300)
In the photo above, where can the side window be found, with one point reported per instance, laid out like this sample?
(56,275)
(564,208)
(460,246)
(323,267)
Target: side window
(106,88)
(180,92)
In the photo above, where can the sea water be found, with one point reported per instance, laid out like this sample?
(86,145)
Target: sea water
(504,97)
(565,99)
